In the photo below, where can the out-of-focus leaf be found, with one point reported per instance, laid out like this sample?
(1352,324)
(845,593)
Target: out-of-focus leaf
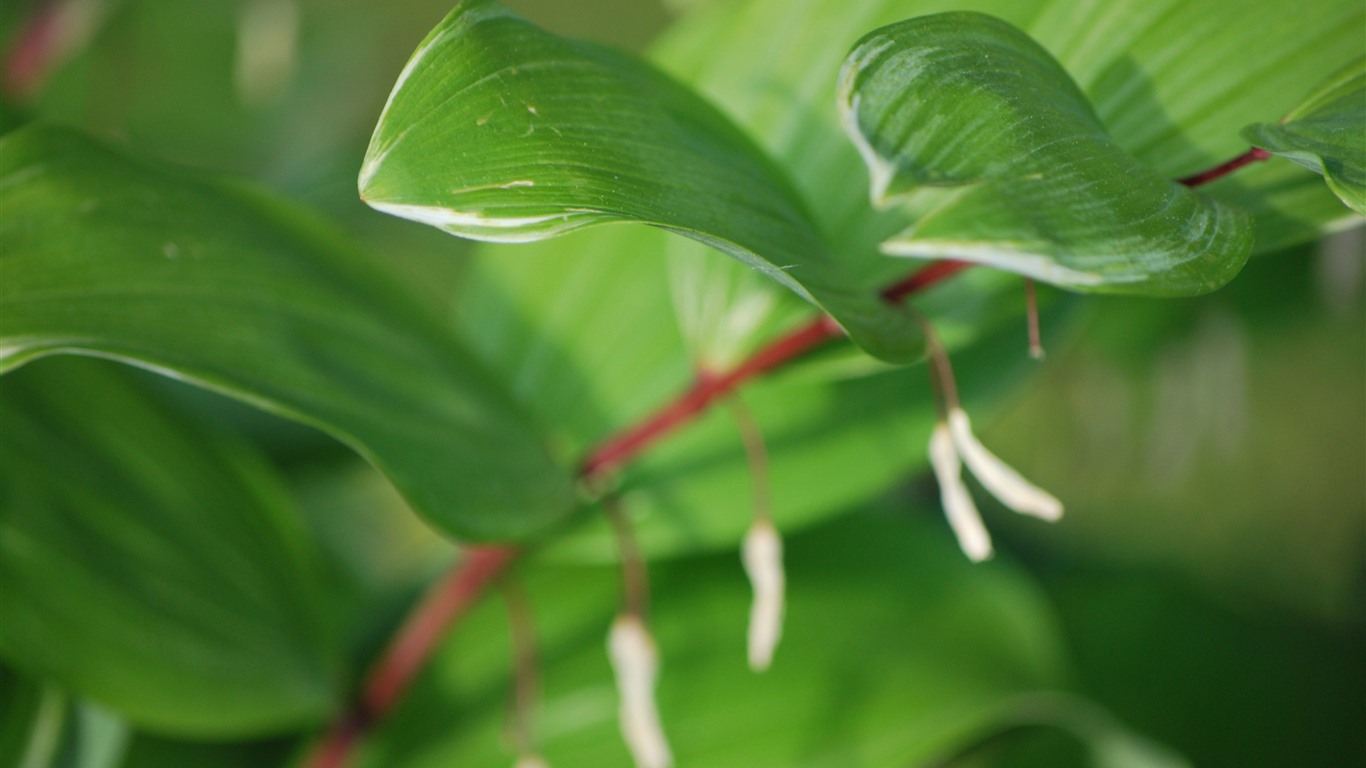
(151,567)
(145,751)
(1035,185)
(499,131)
(591,346)
(1326,134)
(896,652)
(42,727)
(218,284)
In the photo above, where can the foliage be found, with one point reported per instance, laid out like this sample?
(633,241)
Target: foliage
(178,572)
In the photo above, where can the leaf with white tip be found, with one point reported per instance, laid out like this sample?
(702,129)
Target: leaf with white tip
(1033,183)
(497,130)
(1326,133)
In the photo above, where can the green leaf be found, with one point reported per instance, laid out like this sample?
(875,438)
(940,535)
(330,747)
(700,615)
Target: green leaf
(164,577)
(42,727)
(1035,185)
(217,284)
(896,652)
(1326,134)
(1172,81)
(499,131)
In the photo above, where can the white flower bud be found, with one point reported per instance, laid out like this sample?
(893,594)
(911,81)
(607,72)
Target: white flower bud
(763,558)
(636,664)
(958,507)
(531,761)
(998,477)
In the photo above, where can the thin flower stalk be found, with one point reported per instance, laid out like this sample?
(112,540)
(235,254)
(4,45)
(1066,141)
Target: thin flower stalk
(522,632)
(634,656)
(762,550)
(952,444)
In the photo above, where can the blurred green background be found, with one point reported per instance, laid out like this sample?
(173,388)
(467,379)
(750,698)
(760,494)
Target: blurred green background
(1207,586)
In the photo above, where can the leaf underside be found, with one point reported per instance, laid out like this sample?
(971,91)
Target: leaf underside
(1326,134)
(1028,177)
(497,130)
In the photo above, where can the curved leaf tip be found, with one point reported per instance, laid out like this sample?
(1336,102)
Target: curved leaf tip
(497,130)
(1028,179)
(1326,133)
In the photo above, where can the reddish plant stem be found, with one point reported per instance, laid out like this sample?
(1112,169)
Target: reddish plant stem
(704,391)
(923,278)
(443,605)
(30,57)
(1254,155)
(450,598)
(448,601)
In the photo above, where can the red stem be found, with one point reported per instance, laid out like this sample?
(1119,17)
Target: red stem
(1254,155)
(443,605)
(448,601)
(628,444)
(31,56)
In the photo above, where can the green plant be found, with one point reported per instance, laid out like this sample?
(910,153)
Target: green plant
(178,585)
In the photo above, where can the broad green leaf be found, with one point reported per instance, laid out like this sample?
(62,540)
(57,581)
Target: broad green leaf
(153,567)
(217,284)
(1173,81)
(599,353)
(967,102)
(896,652)
(499,131)
(1326,134)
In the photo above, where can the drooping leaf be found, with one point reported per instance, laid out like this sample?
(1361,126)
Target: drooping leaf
(499,131)
(968,102)
(599,358)
(153,567)
(1326,134)
(218,284)
(1171,80)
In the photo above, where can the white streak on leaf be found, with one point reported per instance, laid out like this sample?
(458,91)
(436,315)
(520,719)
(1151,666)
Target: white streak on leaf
(763,558)
(636,664)
(1041,267)
(480,226)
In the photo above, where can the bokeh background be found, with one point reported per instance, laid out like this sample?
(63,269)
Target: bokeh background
(1208,584)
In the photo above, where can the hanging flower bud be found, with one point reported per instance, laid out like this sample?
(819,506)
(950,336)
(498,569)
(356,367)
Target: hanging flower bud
(531,761)
(636,664)
(998,477)
(958,507)
(763,558)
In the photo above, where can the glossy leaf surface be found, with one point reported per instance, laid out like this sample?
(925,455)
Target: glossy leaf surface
(1326,134)
(152,567)
(1035,185)
(218,284)
(499,131)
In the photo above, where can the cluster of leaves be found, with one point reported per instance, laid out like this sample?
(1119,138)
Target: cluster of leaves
(156,574)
